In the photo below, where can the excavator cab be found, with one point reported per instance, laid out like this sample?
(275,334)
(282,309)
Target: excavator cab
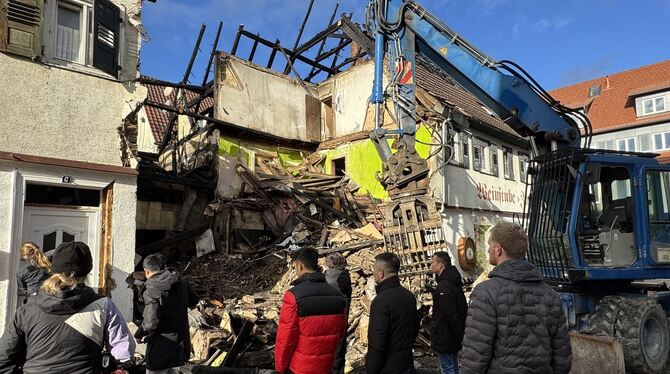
(592,212)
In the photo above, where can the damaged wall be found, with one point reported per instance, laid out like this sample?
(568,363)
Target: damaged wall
(348,94)
(362,162)
(232,151)
(251,96)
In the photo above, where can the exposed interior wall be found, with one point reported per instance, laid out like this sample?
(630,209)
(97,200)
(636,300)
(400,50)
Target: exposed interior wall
(347,95)
(362,162)
(233,151)
(251,96)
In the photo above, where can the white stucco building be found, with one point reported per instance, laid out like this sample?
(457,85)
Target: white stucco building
(66,73)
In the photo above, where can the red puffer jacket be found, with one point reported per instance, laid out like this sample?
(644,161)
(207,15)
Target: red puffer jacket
(311,324)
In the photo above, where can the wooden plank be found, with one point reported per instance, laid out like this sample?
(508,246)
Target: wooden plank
(105,265)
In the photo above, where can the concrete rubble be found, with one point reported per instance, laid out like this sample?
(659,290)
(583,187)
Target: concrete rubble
(242,285)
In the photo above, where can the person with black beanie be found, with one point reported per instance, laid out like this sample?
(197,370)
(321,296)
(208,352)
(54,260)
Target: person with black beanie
(66,326)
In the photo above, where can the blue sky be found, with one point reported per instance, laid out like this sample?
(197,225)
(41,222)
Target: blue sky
(557,42)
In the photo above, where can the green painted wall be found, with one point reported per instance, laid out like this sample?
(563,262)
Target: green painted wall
(233,147)
(363,162)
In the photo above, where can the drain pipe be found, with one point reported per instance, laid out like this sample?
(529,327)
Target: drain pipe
(445,158)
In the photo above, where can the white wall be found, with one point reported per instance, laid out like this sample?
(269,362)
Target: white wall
(14,176)
(350,92)
(609,140)
(261,99)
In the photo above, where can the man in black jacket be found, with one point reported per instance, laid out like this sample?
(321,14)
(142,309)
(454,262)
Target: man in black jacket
(449,312)
(515,321)
(394,321)
(165,319)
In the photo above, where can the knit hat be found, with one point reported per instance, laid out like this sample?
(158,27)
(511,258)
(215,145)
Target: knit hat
(72,258)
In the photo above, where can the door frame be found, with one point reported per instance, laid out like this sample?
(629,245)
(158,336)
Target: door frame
(45,175)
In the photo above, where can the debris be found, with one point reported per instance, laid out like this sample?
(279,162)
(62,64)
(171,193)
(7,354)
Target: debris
(204,244)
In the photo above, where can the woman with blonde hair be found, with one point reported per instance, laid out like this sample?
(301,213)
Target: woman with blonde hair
(66,327)
(34,268)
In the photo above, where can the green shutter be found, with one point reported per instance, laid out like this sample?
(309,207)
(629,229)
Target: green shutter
(21,27)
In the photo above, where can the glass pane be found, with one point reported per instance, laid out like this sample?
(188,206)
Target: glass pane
(645,142)
(67,34)
(67,237)
(631,145)
(609,144)
(660,104)
(648,106)
(658,141)
(49,242)
(658,194)
(667,140)
(622,145)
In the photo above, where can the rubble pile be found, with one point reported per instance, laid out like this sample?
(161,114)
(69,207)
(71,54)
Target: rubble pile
(244,281)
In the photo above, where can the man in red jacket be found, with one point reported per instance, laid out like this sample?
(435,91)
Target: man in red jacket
(312,320)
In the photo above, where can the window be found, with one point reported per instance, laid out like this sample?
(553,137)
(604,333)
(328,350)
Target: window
(658,197)
(626,145)
(494,159)
(644,141)
(466,150)
(82,32)
(523,166)
(653,105)
(508,164)
(339,166)
(662,141)
(479,150)
(594,91)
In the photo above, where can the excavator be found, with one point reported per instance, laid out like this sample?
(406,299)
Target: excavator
(598,221)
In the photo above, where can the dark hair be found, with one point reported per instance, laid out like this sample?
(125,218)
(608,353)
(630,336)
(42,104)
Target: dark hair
(443,258)
(388,261)
(308,257)
(154,262)
(511,238)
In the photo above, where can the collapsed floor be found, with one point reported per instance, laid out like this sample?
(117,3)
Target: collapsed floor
(243,281)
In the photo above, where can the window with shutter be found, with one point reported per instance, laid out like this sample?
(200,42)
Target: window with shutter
(21,27)
(494,159)
(106,37)
(508,165)
(466,151)
(523,166)
(476,155)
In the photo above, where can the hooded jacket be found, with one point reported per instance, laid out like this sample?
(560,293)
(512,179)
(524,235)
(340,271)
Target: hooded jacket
(311,325)
(165,320)
(341,280)
(515,324)
(393,328)
(30,277)
(65,333)
(449,312)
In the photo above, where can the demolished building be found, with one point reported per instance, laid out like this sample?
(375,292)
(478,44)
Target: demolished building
(289,163)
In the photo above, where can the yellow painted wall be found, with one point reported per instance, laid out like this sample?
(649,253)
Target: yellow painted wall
(363,162)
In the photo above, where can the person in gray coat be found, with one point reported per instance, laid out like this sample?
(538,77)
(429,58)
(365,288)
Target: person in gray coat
(515,320)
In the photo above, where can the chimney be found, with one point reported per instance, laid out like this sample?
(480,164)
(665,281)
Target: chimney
(607,81)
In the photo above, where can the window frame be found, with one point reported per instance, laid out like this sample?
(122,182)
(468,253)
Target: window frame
(655,109)
(508,162)
(665,141)
(85,8)
(626,144)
